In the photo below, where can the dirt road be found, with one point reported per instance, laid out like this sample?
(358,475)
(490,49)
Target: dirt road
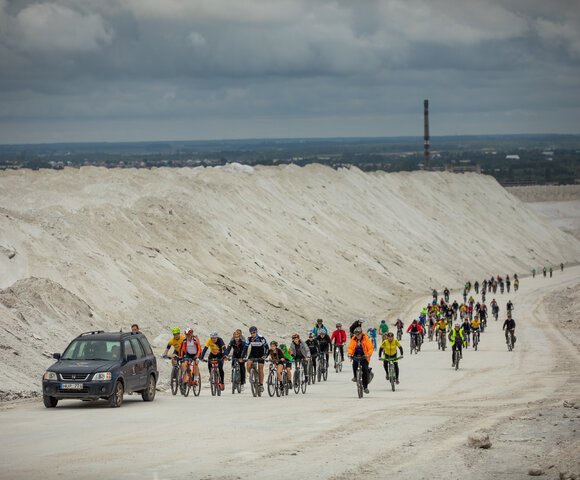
(419,431)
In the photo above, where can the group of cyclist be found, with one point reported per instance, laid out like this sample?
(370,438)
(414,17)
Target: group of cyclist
(435,320)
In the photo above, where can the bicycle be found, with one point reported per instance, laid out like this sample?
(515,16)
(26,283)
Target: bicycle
(236,375)
(359,376)
(322,368)
(214,378)
(175,375)
(475,337)
(310,368)
(299,375)
(391,375)
(254,378)
(510,340)
(399,333)
(337,360)
(431,332)
(276,387)
(456,358)
(442,340)
(187,381)
(414,343)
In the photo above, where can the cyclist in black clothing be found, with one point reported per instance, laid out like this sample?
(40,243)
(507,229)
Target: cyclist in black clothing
(509,306)
(324,345)
(476,286)
(238,348)
(257,350)
(356,324)
(312,345)
(446,294)
(510,329)
(466,330)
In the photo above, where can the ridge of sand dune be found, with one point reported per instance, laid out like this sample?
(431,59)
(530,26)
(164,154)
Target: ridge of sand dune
(218,248)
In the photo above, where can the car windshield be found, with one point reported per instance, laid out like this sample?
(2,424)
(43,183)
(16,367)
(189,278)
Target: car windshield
(84,349)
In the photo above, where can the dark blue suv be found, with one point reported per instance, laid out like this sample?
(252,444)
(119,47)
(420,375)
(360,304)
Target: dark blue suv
(102,365)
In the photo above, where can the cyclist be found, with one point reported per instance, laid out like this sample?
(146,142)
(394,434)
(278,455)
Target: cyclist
(257,351)
(476,286)
(338,338)
(415,330)
(457,341)
(372,334)
(441,328)
(318,327)
(360,346)
(389,352)
(544,271)
(435,296)
(400,325)
(358,323)
(312,345)
(466,327)
(238,349)
(494,308)
(279,359)
(383,327)
(217,349)
(446,294)
(289,358)
(510,329)
(550,272)
(561,267)
(300,351)
(190,349)
(174,342)
(507,283)
(509,306)
(324,344)
(475,324)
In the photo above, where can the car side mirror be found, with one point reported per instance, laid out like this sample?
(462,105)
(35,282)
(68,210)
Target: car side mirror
(131,357)
(56,355)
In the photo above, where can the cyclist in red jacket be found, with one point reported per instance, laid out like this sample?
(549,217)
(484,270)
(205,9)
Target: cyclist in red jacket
(338,339)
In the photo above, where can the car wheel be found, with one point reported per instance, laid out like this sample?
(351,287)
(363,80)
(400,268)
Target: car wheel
(49,402)
(149,393)
(116,398)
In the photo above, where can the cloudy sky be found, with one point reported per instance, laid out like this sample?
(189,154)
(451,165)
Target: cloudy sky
(131,70)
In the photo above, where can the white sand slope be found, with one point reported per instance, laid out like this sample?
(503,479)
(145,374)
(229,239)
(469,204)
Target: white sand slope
(221,248)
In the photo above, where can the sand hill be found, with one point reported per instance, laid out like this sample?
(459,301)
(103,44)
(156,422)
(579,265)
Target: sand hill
(219,248)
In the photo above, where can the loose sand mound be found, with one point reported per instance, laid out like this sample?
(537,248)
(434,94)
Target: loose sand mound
(219,248)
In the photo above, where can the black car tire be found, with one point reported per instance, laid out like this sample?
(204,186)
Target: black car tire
(49,402)
(116,398)
(149,393)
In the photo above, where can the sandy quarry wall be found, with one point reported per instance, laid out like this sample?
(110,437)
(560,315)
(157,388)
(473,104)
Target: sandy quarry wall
(218,248)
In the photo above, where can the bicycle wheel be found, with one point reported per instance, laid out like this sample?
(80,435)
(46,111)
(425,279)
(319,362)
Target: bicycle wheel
(303,383)
(325,370)
(392,375)
(296,382)
(359,382)
(196,387)
(235,377)
(456,359)
(272,384)
(185,382)
(254,384)
(175,379)
(319,373)
(213,382)
(218,382)
(336,360)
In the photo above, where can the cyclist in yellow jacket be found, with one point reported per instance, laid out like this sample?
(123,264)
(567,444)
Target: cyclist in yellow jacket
(457,340)
(389,353)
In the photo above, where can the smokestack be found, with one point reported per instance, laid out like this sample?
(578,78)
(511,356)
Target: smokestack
(426,144)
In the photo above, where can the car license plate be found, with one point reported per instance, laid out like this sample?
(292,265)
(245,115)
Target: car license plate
(71,386)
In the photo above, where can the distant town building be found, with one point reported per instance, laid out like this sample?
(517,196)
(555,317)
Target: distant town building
(512,157)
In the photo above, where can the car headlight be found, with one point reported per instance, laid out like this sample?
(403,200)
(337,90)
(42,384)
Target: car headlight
(50,376)
(102,376)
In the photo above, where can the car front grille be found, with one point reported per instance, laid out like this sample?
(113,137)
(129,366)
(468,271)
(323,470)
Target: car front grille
(74,376)
(73,390)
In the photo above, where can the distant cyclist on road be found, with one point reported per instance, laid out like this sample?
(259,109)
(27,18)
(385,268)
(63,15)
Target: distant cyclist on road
(318,327)
(357,324)
(238,348)
(509,326)
(457,340)
(257,351)
(217,352)
(360,350)
(338,340)
(372,334)
(383,327)
(191,349)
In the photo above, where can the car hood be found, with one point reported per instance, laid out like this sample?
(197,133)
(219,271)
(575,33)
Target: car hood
(83,366)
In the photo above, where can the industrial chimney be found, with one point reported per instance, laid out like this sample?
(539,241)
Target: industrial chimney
(426,144)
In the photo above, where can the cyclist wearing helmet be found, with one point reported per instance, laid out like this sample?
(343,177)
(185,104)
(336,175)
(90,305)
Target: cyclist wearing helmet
(360,350)
(299,350)
(324,345)
(318,327)
(174,342)
(191,348)
(312,345)
(457,340)
(355,325)
(388,351)
(383,327)
(510,328)
(238,348)
(278,358)
(338,339)
(217,349)
(257,351)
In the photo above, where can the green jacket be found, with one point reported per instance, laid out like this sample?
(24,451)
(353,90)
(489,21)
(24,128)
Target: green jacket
(454,333)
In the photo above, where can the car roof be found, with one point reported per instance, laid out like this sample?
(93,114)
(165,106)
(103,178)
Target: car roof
(112,336)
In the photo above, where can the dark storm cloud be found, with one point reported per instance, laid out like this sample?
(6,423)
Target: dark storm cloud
(284,68)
